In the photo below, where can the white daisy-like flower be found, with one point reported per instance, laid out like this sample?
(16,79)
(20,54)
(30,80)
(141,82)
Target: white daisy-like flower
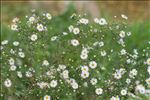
(28,74)
(11,61)
(123,92)
(148,61)
(15,43)
(92,64)
(123,52)
(47,97)
(117,75)
(13,67)
(70,28)
(7,83)
(34,37)
(114,98)
(74,85)
(54,38)
(48,15)
(122,34)
(65,74)
(15,20)
(53,83)
(14,27)
(102,21)
(65,33)
(128,81)
(85,68)
(76,30)
(40,27)
(84,56)
(74,42)
(45,63)
(21,54)
(85,74)
(84,21)
(99,91)
(124,16)
(62,67)
(93,81)
(96,20)
(101,43)
(19,74)
(84,51)
(148,69)
(129,33)
(140,88)
(103,53)
(4,42)
(148,81)
(31,19)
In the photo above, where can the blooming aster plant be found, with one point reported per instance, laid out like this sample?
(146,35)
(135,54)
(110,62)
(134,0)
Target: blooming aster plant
(84,58)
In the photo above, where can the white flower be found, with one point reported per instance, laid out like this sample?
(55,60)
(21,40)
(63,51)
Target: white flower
(21,54)
(14,27)
(48,15)
(45,63)
(13,67)
(70,28)
(99,91)
(96,20)
(114,98)
(34,37)
(53,83)
(65,33)
(4,42)
(101,43)
(124,16)
(129,33)
(43,84)
(28,74)
(7,83)
(85,51)
(76,30)
(15,43)
(92,64)
(148,61)
(93,81)
(124,92)
(102,21)
(122,34)
(11,61)
(40,27)
(65,74)
(85,74)
(117,75)
(103,53)
(148,81)
(15,20)
(74,42)
(85,68)
(84,21)
(83,56)
(123,52)
(54,38)
(47,97)
(74,85)
(62,67)
(31,19)
(148,69)
(19,74)
(140,89)
(128,81)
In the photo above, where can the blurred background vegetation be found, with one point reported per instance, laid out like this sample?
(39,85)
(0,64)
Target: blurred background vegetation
(138,13)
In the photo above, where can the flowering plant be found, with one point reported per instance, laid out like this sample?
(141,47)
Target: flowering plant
(81,58)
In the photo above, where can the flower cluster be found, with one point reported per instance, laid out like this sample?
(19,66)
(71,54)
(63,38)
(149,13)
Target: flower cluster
(83,58)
